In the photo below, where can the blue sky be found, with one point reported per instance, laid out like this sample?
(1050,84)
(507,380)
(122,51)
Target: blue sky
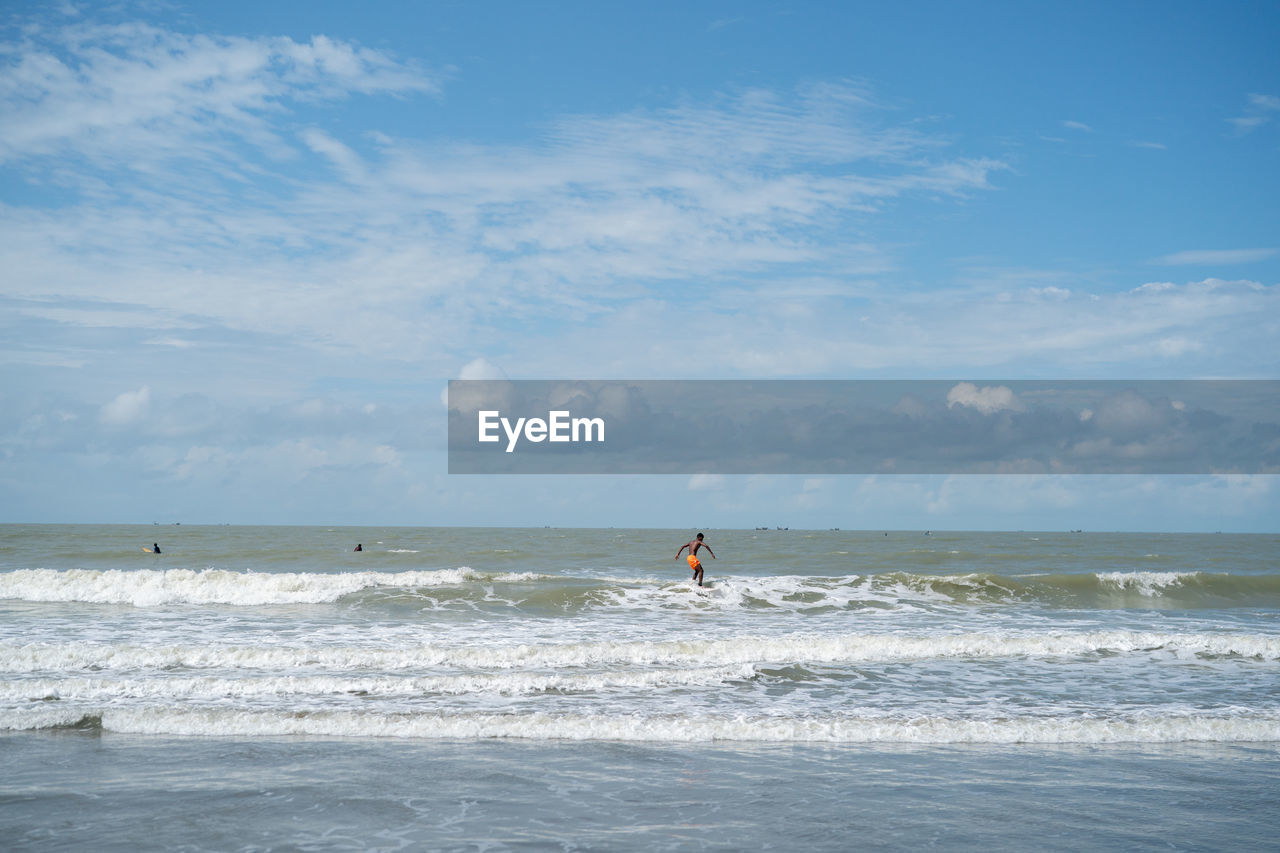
(244,246)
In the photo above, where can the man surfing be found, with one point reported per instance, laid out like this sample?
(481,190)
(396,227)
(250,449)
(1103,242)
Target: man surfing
(693,545)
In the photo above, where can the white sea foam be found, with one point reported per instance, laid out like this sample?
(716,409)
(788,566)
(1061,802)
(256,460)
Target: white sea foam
(1146,583)
(845,648)
(219,688)
(150,587)
(799,593)
(1147,727)
(901,591)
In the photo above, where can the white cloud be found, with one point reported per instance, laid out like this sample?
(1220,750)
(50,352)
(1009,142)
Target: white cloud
(1260,109)
(988,399)
(128,91)
(971,329)
(1128,414)
(481,368)
(738,210)
(1245,124)
(474,370)
(1077,125)
(1214,257)
(721,23)
(127,408)
(345,161)
(706,483)
(415,253)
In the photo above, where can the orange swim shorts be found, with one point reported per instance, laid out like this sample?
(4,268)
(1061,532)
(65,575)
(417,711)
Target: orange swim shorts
(693,562)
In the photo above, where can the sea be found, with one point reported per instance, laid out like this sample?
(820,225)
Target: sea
(470,689)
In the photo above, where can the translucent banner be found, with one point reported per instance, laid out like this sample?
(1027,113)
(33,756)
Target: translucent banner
(864,427)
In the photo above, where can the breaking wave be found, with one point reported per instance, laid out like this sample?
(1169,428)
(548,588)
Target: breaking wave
(808,595)
(732,651)
(1146,727)
(148,587)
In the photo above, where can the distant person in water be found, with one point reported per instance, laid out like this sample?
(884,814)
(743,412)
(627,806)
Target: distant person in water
(693,545)
(359,547)
(155,548)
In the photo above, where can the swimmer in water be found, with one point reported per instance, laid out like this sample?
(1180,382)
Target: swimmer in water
(693,545)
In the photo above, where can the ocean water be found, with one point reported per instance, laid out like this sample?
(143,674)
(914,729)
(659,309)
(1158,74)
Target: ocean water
(511,689)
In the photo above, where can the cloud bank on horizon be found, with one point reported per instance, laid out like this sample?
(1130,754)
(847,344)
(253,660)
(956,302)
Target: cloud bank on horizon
(242,259)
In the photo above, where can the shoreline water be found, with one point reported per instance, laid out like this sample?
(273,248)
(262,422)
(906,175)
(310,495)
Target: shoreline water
(122,792)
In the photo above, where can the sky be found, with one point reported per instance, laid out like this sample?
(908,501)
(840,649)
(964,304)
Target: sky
(243,246)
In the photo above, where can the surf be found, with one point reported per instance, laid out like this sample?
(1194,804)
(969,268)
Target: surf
(156,587)
(541,592)
(850,648)
(1153,726)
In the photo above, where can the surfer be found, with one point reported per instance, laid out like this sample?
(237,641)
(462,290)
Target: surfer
(693,545)
(155,548)
(359,547)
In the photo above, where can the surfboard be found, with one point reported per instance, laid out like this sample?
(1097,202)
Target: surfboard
(148,550)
